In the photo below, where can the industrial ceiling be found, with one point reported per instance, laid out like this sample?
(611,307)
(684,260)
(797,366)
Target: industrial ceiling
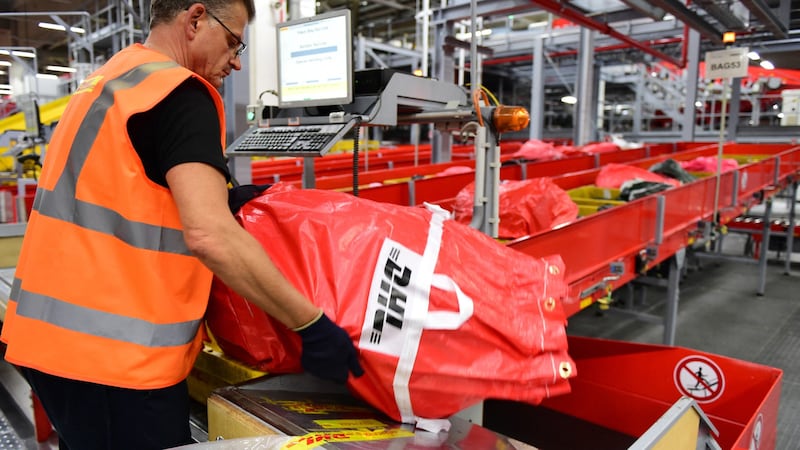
(770,26)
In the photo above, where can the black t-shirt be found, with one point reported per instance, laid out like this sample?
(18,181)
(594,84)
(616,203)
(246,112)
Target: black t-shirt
(182,128)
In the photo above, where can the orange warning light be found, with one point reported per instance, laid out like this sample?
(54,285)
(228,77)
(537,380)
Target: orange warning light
(510,118)
(728,37)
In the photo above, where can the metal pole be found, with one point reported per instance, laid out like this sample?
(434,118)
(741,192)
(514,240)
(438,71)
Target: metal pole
(762,257)
(715,219)
(790,231)
(474,70)
(536,130)
(692,74)
(673,296)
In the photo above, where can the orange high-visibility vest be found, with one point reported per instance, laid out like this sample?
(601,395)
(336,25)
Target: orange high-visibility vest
(105,289)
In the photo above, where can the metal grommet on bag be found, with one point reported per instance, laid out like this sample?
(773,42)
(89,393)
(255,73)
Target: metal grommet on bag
(565,369)
(550,304)
(553,270)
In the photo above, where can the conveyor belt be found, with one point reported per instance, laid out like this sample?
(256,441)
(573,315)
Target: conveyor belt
(639,234)
(48,113)
(8,437)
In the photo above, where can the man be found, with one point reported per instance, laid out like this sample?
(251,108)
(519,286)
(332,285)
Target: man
(130,221)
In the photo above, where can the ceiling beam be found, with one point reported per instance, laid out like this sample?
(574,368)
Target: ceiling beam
(691,19)
(767,18)
(568,12)
(722,13)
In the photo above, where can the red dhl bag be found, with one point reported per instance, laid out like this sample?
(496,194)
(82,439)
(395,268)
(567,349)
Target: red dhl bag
(614,175)
(526,206)
(442,315)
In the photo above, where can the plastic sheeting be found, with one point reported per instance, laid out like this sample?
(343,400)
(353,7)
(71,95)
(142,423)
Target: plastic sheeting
(443,316)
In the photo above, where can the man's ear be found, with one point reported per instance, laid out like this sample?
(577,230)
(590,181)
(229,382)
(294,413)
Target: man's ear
(194,13)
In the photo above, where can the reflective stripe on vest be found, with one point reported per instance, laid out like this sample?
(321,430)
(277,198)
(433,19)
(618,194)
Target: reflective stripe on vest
(103,324)
(61,203)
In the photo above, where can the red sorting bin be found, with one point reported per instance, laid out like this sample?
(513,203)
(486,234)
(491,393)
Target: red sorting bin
(623,388)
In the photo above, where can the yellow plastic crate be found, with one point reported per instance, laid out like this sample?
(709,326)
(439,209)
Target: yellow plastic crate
(594,193)
(591,198)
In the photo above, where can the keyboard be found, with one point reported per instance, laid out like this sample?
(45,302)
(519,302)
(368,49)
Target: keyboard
(290,140)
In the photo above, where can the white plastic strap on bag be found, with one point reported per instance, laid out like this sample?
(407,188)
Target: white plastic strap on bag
(419,318)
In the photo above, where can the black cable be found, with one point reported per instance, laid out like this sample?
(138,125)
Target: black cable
(357,129)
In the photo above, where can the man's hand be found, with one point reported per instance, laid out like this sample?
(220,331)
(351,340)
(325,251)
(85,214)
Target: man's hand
(328,351)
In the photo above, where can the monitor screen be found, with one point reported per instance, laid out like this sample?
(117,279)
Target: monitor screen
(315,57)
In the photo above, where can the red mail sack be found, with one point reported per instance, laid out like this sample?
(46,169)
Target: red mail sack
(526,207)
(442,315)
(614,175)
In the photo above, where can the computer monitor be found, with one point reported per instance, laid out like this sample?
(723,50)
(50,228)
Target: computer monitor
(315,60)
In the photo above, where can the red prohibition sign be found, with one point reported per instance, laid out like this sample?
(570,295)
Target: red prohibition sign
(700,378)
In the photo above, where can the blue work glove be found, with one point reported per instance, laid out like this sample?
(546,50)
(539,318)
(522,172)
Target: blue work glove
(328,351)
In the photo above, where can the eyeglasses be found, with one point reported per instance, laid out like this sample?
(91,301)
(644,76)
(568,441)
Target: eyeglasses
(240,46)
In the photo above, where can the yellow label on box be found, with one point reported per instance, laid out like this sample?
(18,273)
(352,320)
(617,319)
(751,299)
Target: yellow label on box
(366,424)
(313,440)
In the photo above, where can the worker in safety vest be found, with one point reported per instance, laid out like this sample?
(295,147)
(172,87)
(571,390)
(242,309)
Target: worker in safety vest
(129,224)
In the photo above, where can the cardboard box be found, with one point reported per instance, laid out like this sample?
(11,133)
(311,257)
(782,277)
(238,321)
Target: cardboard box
(322,415)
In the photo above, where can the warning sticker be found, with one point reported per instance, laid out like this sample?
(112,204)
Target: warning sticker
(700,378)
(755,440)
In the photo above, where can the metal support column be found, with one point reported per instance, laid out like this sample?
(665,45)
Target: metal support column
(790,230)
(537,89)
(584,119)
(734,108)
(692,74)
(443,69)
(673,296)
(762,256)
(486,206)
(493,183)
(637,111)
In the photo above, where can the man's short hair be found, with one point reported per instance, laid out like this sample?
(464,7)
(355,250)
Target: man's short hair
(163,11)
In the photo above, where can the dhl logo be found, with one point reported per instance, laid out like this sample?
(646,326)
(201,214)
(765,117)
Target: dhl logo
(313,440)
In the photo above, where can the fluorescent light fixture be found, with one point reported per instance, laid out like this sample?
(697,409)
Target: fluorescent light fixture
(698,104)
(3,72)
(5,92)
(61,69)
(569,99)
(57,27)
(46,76)
(18,53)
(5,86)
(767,65)
(5,63)
(754,56)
